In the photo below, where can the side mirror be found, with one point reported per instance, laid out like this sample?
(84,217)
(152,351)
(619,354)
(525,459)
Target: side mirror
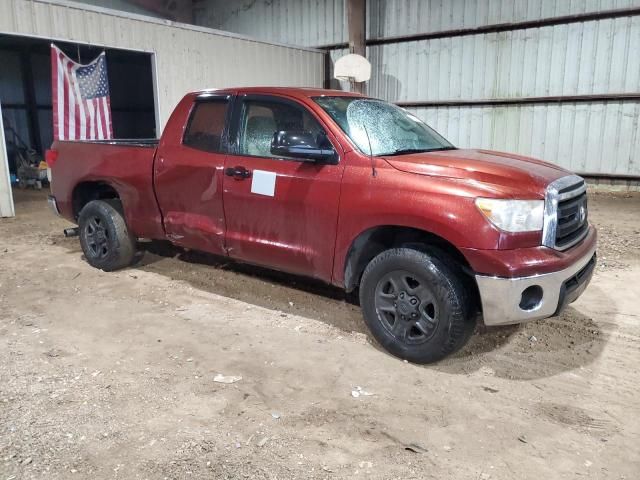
(303,145)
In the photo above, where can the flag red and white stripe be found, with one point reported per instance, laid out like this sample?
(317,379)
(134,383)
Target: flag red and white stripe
(81,103)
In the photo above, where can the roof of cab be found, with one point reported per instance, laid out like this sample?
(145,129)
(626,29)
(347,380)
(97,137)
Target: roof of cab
(293,91)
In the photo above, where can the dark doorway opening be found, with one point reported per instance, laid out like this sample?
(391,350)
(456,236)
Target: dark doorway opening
(25,90)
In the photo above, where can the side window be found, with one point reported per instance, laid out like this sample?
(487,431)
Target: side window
(262,119)
(206,125)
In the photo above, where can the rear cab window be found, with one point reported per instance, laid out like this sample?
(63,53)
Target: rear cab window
(206,125)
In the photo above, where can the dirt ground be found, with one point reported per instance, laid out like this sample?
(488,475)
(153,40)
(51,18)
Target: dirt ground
(111,375)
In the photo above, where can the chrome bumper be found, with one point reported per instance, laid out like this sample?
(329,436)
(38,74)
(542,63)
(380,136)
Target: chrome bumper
(501,297)
(51,200)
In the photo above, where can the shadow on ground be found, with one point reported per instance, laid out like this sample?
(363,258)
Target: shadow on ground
(255,285)
(520,352)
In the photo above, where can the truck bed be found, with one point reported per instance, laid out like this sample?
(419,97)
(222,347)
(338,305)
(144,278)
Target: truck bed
(124,165)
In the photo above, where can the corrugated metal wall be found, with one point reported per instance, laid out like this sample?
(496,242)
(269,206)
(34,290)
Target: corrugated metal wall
(187,58)
(298,22)
(404,17)
(323,22)
(596,57)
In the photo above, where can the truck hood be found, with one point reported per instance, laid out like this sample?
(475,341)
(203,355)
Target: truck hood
(510,173)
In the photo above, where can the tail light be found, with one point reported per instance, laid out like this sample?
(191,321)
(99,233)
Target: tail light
(51,156)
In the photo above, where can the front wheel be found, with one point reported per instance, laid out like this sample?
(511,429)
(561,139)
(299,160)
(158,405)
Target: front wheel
(106,241)
(416,305)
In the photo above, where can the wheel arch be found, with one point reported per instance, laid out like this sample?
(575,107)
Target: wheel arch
(86,191)
(373,241)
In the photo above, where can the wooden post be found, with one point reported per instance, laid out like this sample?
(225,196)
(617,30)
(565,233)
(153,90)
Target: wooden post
(356,21)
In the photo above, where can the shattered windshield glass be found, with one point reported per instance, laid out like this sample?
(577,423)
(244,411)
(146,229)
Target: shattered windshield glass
(381,128)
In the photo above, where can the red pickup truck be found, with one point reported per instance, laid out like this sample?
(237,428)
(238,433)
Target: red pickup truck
(347,189)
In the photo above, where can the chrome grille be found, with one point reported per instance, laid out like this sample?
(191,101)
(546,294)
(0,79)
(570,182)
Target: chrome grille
(572,221)
(565,222)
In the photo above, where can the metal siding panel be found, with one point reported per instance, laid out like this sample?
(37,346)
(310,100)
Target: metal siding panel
(603,55)
(604,135)
(619,53)
(510,128)
(298,22)
(321,22)
(631,130)
(571,58)
(551,135)
(406,17)
(467,62)
(586,62)
(526,132)
(456,67)
(527,64)
(582,58)
(490,65)
(475,131)
(592,138)
(632,77)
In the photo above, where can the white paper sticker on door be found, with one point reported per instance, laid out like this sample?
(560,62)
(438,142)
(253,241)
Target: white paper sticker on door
(263,183)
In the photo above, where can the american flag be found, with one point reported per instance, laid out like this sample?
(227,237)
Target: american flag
(81,104)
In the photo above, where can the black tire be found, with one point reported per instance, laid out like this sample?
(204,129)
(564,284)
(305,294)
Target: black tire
(416,305)
(106,241)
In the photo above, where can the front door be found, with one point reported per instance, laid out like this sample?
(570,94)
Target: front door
(280,212)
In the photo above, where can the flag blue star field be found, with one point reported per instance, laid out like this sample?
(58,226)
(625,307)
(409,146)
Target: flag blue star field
(81,103)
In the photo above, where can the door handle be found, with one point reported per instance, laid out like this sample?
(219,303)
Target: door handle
(239,172)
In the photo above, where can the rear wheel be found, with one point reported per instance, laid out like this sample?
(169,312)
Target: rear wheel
(106,241)
(416,305)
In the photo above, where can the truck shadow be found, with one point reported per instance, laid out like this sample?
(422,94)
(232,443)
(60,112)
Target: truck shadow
(534,350)
(255,285)
(517,352)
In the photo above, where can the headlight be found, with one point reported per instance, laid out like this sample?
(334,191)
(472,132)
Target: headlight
(513,215)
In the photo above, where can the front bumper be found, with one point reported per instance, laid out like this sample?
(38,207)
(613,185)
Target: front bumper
(503,302)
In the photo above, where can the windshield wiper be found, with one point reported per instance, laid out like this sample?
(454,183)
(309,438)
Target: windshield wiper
(450,147)
(406,151)
(403,151)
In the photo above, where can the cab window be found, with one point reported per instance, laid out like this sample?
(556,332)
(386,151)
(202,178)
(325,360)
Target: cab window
(262,119)
(206,125)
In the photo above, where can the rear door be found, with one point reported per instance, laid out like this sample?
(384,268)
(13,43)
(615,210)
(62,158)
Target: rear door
(280,212)
(189,175)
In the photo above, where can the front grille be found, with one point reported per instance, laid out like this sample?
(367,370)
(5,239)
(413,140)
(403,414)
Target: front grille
(572,221)
(565,213)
